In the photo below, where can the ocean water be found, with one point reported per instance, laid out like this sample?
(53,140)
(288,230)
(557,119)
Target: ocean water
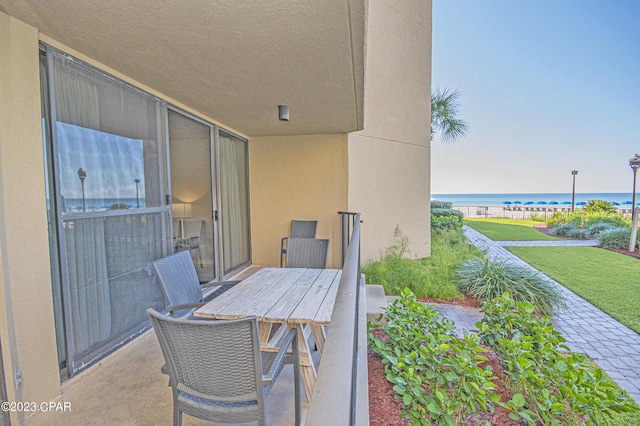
(460,200)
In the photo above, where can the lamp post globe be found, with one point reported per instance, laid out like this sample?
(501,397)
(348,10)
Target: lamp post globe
(634,163)
(137,181)
(82,174)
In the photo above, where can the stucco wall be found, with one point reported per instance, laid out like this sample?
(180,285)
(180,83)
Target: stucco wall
(389,160)
(26,311)
(296,177)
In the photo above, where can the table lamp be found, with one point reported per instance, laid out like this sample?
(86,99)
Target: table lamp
(181,211)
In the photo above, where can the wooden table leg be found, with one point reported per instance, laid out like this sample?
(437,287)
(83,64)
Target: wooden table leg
(319,336)
(307,368)
(264,329)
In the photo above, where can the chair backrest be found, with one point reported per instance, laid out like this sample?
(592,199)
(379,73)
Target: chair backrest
(307,253)
(178,278)
(193,228)
(304,228)
(213,360)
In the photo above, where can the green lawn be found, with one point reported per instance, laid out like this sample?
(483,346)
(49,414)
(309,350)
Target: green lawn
(508,229)
(609,280)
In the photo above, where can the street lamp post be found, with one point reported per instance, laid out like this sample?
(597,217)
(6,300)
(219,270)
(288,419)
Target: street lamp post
(137,181)
(573,191)
(82,175)
(634,163)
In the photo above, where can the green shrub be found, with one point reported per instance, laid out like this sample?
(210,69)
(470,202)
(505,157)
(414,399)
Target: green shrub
(445,222)
(577,233)
(428,277)
(557,219)
(563,230)
(614,219)
(575,218)
(594,206)
(486,280)
(596,228)
(435,204)
(551,385)
(617,238)
(447,212)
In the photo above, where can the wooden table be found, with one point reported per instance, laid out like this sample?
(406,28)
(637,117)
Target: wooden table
(298,298)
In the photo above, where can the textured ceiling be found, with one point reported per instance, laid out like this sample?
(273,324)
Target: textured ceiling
(233,60)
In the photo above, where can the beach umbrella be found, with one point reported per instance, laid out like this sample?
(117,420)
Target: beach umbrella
(517,202)
(506,202)
(581,203)
(553,202)
(615,203)
(528,203)
(566,202)
(541,202)
(627,202)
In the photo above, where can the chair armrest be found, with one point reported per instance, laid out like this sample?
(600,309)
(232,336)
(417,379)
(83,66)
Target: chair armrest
(218,284)
(283,250)
(172,308)
(289,340)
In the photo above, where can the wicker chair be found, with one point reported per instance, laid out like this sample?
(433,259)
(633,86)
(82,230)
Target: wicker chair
(299,229)
(307,253)
(179,281)
(217,372)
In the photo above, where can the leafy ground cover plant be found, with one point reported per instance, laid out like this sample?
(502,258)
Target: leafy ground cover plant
(486,280)
(445,222)
(434,372)
(551,385)
(442,219)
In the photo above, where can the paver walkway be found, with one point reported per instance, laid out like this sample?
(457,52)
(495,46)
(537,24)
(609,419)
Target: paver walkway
(547,243)
(587,329)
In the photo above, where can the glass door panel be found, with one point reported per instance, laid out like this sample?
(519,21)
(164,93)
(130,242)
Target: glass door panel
(191,192)
(108,178)
(234,192)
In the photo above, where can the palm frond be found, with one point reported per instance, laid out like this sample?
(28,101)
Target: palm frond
(444,116)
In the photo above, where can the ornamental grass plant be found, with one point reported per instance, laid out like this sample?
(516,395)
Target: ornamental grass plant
(486,280)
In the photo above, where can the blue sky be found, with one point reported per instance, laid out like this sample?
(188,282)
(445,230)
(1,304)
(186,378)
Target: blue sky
(547,87)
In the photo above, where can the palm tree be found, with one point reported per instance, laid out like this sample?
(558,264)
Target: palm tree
(444,112)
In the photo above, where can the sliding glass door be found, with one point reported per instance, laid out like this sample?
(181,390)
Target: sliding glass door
(234,191)
(192,192)
(108,178)
(130,180)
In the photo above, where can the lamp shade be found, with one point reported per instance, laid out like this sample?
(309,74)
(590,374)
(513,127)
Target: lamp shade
(181,210)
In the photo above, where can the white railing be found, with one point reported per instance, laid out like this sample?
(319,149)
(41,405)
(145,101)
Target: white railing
(341,396)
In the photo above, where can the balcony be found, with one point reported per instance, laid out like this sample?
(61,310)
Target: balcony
(127,386)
